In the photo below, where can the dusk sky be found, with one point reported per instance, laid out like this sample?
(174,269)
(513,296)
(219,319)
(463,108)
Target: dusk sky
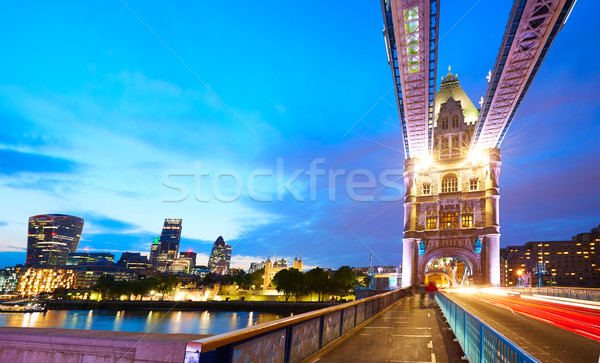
(109,109)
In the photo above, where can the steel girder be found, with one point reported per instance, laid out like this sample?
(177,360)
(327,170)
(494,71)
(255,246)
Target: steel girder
(531,29)
(411,33)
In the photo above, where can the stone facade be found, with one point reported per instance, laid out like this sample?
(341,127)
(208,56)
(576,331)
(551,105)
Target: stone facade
(271,269)
(451,201)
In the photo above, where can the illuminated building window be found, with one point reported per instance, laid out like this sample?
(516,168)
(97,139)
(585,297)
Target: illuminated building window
(467,220)
(473,184)
(454,121)
(426,189)
(449,184)
(431,222)
(449,220)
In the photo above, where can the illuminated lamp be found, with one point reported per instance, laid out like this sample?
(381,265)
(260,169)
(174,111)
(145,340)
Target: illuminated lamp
(426,163)
(477,157)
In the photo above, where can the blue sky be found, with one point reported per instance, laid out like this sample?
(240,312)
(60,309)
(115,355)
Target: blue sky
(98,115)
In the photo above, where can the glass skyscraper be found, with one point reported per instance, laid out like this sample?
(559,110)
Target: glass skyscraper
(163,253)
(51,237)
(220,257)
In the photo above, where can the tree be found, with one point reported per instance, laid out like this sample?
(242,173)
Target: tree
(166,284)
(60,293)
(104,286)
(209,279)
(290,282)
(142,287)
(256,278)
(344,281)
(318,281)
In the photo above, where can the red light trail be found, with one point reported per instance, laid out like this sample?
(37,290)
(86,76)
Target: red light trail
(580,320)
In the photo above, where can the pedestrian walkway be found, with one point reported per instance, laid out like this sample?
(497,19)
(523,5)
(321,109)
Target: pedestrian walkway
(403,333)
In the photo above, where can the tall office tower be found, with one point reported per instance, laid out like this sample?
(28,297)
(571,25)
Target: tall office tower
(220,257)
(189,256)
(169,244)
(51,237)
(154,250)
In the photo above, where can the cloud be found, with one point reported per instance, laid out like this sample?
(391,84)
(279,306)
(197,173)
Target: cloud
(14,162)
(95,223)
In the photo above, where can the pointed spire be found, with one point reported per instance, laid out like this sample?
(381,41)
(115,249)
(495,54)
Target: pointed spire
(450,79)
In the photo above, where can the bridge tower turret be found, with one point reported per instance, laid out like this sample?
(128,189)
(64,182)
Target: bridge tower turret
(452,196)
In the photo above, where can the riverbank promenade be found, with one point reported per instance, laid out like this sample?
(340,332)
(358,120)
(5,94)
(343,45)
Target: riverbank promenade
(403,333)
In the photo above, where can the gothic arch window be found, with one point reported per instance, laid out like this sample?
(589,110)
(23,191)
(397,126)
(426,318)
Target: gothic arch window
(449,183)
(455,121)
(444,122)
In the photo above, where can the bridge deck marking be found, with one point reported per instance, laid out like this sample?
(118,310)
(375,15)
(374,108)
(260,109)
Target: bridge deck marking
(409,333)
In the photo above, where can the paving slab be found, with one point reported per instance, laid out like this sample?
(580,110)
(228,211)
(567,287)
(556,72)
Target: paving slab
(403,333)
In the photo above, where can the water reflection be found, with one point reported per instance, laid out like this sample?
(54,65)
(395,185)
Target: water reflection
(191,322)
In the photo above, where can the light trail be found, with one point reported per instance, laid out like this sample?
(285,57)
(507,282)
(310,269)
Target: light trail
(576,318)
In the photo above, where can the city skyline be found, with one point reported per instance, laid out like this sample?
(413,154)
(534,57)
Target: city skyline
(131,113)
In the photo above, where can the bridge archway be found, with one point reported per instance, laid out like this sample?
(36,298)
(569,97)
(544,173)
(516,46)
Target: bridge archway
(472,261)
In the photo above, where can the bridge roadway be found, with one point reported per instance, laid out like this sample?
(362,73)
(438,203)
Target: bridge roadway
(403,333)
(549,331)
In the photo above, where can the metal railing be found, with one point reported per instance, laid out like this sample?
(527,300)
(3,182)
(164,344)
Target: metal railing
(564,292)
(291,339)
(480,342)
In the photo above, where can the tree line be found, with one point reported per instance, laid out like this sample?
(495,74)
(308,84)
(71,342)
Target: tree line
(109,288)
(292,282)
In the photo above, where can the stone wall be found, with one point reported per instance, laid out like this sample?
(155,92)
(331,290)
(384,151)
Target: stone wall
(71,345)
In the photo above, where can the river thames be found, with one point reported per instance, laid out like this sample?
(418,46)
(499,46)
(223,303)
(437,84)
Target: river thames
(188,322)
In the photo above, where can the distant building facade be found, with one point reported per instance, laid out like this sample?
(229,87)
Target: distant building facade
(32,281)
(256,266)
(220,257)
(164,251)
(134,261)
(50,239)
(201,271)
(191,256)
(8,280)
(574,263)
(86,276)
(82,258)
(271,269)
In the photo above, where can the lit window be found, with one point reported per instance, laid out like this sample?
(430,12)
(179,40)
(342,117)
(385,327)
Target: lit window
(449,184)
(431,222)
(467,220)
(449,220)
(473,184)
(426,189)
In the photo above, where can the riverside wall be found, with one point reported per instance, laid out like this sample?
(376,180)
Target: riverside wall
(280,308)
(72,345)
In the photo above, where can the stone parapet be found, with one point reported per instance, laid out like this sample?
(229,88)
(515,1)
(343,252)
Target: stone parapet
(72,345)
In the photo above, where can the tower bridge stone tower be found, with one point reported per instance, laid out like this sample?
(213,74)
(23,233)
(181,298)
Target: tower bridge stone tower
(451,201)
